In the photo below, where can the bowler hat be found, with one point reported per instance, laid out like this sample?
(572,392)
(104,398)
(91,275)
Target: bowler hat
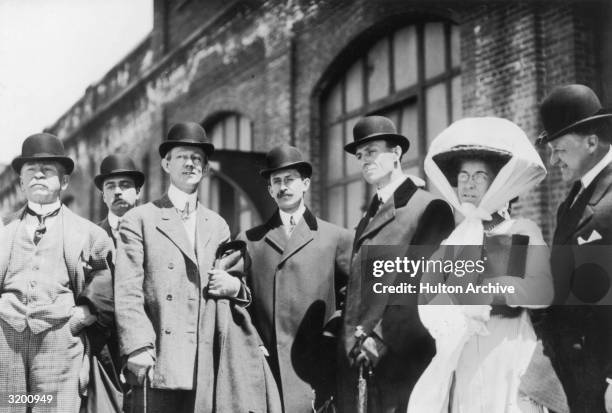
(186,134)
(567,107)
(285,156)
(372,128)
(114,165)
(43,147)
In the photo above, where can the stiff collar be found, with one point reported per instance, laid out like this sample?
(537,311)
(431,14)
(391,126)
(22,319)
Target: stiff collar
(590,176)
(180,198)
(44,209)
(387,191)
(113,220)
(297,215)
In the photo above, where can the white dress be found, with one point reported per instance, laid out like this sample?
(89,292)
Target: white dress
(480,358)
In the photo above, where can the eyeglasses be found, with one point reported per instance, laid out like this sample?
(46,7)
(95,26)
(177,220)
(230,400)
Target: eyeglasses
(197,160)
(286,181)
(479,177)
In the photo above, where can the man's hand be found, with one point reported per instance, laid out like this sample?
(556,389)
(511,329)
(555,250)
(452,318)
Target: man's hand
(608,398)
(370,353)
(83,315)
(80,318)
(139,362)
(223,284)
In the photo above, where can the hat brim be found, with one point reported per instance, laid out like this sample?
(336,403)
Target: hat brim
(545,137)
(137,176)
(448,161)
(398,139)
(165,147)
(65,161)
(304,166)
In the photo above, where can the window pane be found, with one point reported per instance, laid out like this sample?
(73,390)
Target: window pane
(378,67)
(405,57)
(435,99)
(355,202)
(415,170)
(394,115)
(455,46)
(456,94)
(246,220)
(335,205)
(352,165)
(335,152)
(231,138)
(354,86)
(410,129)
(246,141)
(333,107)
(217,135)
(434,49)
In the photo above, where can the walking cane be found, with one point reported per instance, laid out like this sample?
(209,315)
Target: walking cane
(362,384)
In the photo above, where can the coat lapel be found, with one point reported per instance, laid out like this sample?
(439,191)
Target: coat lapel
(301,235)
(74,242)
(203,235)
(573,219)
(7,237)
(171,226)
(275,235)
(386,213)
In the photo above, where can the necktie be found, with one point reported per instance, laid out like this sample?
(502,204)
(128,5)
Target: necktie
(374,207)
(185,212)
(291,224)
(41,228)
(577,189)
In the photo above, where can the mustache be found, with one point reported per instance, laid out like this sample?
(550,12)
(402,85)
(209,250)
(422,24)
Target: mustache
(282,194)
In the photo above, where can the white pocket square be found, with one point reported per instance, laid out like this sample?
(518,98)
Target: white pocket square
(593,237)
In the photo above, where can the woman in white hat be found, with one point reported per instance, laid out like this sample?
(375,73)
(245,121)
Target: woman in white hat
(487,353)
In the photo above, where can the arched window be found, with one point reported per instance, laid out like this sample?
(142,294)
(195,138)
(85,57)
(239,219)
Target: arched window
(229,132)
(411,75)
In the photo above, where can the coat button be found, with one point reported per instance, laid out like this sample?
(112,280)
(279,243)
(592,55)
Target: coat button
(167,331)
(171,265)
(169,297)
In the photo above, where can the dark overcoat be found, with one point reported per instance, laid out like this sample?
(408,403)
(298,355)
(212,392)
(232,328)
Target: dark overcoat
(578,338)
(411,216)
(295,285)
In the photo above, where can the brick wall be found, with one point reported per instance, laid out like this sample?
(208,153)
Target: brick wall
(271,60)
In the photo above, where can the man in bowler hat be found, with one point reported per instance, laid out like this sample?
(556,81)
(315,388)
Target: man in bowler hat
(164,275)
(299,264)
(55,281)
(578,337)
(389,340)
(120,182)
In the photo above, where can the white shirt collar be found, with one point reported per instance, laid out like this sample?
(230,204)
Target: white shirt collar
(385,192)
(588,177)
(113,220)
(297,215)
(180,198)
(43,209)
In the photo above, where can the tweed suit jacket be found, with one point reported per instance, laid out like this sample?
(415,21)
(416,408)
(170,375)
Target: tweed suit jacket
(296,284)
(581,335)
(159,282)
(411,216)
(88,253)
